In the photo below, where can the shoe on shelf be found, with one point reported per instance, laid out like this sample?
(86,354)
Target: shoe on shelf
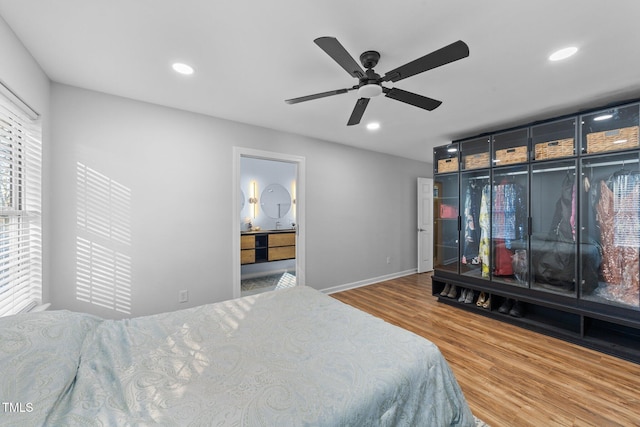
(487,303)
(469,298)
(453,291)
(463,295)
(506,306)
(481,299)
(446,290)
(517,310)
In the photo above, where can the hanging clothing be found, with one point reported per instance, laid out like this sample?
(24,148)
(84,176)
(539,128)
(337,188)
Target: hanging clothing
(618,214)
(572,220)
(485,222)
(554,258)
(509,216)
(509,213)
(473,196)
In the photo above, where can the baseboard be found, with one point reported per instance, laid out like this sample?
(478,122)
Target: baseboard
(366,282)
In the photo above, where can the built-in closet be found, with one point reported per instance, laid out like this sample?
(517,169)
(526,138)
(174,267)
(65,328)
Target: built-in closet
(539,226)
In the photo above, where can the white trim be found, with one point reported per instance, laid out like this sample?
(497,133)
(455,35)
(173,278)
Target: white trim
(300,211)
(34,307)
(367,282)
(18,102)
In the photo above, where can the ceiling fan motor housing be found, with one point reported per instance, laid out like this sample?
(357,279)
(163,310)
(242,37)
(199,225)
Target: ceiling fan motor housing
(369,59)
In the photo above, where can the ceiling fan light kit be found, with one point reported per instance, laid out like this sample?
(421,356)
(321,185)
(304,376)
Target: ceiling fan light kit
(370,83)
(369,90)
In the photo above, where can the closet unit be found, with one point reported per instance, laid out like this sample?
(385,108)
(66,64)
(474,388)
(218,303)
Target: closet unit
(540,226)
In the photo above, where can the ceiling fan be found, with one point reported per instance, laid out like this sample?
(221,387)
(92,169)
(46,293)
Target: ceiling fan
(370,83)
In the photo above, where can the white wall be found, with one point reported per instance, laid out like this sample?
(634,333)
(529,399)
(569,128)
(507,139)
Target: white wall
(177,168)
(174,171)
(22,74)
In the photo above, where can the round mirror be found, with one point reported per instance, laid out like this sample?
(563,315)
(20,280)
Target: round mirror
(275,201)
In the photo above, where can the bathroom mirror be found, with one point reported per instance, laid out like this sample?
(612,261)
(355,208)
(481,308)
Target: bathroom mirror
(275,201)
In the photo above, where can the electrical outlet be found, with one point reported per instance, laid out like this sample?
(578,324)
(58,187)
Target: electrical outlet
(388,260)
(183,296)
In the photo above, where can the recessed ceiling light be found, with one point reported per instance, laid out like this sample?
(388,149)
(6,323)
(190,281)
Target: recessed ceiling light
(181,68)
(373,126)
(563,53)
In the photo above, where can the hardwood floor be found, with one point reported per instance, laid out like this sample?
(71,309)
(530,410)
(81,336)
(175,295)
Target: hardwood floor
(510,376)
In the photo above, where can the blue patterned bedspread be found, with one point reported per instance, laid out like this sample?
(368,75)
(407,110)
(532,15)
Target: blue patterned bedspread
(292,357)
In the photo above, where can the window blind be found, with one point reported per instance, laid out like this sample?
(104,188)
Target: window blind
(20,209)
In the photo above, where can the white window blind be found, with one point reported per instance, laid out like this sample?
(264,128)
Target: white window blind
(20,209)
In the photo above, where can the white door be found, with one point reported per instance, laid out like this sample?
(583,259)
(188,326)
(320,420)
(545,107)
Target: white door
(425,225)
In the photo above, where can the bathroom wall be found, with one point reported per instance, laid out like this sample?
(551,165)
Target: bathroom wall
(263,173)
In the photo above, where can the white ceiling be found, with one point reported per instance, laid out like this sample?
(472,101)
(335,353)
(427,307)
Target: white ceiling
(251,55)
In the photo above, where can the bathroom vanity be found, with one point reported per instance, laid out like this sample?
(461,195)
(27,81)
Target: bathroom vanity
(267,246)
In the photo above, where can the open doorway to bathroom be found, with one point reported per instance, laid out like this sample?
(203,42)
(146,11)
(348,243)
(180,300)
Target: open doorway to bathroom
(268,220)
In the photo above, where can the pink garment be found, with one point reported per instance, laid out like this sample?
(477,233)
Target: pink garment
(620,264)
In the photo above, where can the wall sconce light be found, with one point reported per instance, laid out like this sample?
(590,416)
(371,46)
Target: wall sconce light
(254,199)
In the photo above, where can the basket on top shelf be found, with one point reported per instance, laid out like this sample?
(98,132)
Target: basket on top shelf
(448,165)
(511,155)
(610,140)
(476,161)
(554,149)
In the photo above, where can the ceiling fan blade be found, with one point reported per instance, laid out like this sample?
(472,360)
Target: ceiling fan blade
(358,111)
(412,98)
(445,55)
(334,49)
(317,95)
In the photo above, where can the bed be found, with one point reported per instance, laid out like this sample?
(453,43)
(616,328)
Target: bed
(291,357)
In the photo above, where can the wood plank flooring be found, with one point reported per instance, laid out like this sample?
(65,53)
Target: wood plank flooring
(510,376)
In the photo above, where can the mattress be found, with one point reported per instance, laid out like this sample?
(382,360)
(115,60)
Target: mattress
(292,357)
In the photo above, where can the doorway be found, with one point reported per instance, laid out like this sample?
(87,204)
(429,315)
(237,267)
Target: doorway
(425,225)
(268,201)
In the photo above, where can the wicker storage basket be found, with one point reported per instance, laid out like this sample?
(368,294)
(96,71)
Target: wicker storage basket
(476,161)
(554,149)
(448,165)
(511,155)
(610,140)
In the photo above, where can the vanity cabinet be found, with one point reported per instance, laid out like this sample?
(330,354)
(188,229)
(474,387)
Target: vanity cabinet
(281,246)
(247,249)
(266,246)
(548,215)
